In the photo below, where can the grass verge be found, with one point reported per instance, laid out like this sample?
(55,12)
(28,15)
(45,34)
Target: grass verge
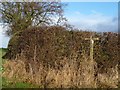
(10,84)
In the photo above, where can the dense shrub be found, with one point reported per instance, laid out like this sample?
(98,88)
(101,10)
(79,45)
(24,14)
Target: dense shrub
(107,51)
(49,45)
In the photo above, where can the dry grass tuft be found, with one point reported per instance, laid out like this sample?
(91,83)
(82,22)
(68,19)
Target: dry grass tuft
(74,74)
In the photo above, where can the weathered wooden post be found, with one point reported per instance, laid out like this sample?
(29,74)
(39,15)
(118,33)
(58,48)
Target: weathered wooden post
(91,46)
(92,62)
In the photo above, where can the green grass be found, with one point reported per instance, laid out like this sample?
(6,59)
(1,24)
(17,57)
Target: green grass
(9,83)
(2,53)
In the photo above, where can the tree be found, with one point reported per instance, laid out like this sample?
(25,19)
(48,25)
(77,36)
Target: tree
(22,15)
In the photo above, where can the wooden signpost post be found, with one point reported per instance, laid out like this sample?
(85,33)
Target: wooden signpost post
(91,45)
(92,62)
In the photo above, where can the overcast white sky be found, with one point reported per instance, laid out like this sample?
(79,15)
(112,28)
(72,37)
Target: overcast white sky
(3,38)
